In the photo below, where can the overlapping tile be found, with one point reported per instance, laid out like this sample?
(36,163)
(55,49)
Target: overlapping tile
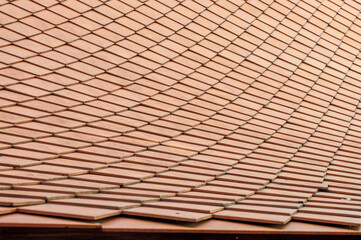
(184,107)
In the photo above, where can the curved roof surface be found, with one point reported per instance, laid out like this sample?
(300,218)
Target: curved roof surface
(181,110)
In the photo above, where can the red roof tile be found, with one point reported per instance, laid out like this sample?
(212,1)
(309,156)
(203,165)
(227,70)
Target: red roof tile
(246,111)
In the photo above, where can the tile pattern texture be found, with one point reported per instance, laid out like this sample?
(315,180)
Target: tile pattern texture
(181,110)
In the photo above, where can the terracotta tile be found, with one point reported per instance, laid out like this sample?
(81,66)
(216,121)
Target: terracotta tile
(159,187)
(140,192)
(42,147)
(121,146)
(172,125)
(116,205)
(107,152)
(13,202)
(205,165)
(151,111)
(42,127)
(73,163)
(175,182)
(139,167)
(237,185)
(106,179)
(343,189)
(91,158)
(337,212)
(55,18)
(195,139)
(218,153)
(80,137)
(11,139)
(134,141)
(110,126)
(73,95)
(28,220)
(19,153)
(15,11)
(214,196)
(116,172)
(199,201)
(64,11)
(86,213)
(190,115)
(301,171)
(28,193)
(41,105)
(161,156)
(63,142)
(283,193)
(263,209)
(50,169)
(257,175)
(15,50)
(81,184)
(181,120)
(46,40)
(57,78)
(333,203)
(30,175)
(327,219)
(159,105)
(117,197)
(54,190)
(271,203)
(198,110)
(252,217)
(105,105)
(185,146)
(186,176)
(28,90)
(184,206)
(17,181)
(240,179)
(99,18)
(176,151)
(96,132)
(91,111)
(137,115)
(281,199)
(225,190)
(167,214)
(196,170)
(249,167)
(77,6)
(88,90)
(214,160)
(23,29)
(61,122)
(14,118)
(308,189)
(65,102)
(151,161)
(17,162)
(214,129)
(125,120)
(293,176)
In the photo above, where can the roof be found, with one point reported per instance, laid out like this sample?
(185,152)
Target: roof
(181,116)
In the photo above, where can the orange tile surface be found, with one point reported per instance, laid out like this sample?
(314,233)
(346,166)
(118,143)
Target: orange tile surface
(181,110)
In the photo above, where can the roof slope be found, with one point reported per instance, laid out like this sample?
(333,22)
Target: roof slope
(182,110)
